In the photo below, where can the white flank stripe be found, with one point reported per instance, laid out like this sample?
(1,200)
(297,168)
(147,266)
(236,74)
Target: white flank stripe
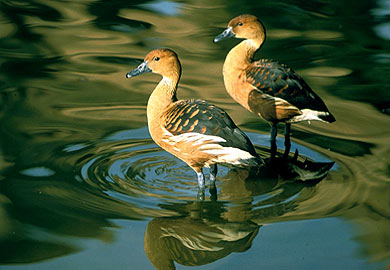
(196,138)
(308,115)
(230,155)
(209,146)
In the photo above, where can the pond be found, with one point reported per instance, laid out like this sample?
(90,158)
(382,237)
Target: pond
(83,185)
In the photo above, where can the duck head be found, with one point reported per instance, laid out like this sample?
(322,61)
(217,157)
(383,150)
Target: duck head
(161,61)
(244,26)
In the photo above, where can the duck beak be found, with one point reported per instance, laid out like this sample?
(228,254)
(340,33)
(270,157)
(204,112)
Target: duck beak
(141,69)
(228,33)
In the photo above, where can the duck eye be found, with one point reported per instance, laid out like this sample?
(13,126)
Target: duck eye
(156,58)
(240,24)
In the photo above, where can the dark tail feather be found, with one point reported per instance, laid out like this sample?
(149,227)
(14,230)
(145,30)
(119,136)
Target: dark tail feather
(328,117)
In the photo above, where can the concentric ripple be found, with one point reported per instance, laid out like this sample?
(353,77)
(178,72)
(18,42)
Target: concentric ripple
(128,166)
(131,167)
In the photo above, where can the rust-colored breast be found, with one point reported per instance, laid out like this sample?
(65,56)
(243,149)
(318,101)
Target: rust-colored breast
(237,86)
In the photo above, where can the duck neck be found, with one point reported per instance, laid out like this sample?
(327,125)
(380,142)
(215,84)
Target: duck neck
(242,55)
(237,60)
(163,95)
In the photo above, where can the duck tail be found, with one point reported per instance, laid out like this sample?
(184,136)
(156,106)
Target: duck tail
(327,117)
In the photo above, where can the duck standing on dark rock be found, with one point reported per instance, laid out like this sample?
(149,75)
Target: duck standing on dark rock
(271,90)
(199,133)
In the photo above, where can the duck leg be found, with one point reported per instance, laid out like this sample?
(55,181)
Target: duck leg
(274,132)
(200,185)
(287,142)
(213,173)
(213,176)
(200,179)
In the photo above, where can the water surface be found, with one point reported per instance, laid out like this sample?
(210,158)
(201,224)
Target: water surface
(83,186)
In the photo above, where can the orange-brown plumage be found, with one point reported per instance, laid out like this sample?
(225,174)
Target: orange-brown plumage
(195,131)
(265,87)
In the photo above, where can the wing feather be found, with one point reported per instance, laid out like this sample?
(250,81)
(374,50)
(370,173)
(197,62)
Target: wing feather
(278,80)
(198,116)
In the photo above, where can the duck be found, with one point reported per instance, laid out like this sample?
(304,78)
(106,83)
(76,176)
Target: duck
(195,131)
(270,89)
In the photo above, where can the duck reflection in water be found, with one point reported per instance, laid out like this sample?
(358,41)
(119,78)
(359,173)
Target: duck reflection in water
(276,171)
(201,237)
(206,231)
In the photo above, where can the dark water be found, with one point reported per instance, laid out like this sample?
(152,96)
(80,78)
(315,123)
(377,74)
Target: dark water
(83,186)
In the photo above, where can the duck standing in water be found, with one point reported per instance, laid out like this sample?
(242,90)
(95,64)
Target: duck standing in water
(271,90)
(195,131)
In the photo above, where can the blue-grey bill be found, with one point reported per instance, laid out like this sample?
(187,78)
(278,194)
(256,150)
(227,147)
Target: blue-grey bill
(228,33)
(141,69)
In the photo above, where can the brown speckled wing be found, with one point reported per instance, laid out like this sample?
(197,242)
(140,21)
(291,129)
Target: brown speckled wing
(280,81)
(201,117)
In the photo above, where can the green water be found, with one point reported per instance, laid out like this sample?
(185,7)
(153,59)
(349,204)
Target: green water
(83,186)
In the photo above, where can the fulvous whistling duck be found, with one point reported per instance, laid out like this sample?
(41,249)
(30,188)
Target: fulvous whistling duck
(271,90)
(195,131)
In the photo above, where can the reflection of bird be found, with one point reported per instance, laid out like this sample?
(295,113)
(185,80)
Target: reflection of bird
(203,232)
(195,241)
(195,131)
(296,170)
(271,90)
